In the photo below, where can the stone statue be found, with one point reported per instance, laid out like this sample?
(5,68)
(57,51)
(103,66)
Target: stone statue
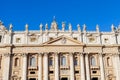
(84,27)
(63,26)
(112,28)
(41,26)
(70,27)
(78,26)
(54,25)
(46,26)
(97,28)
(1,23)
(26,26)
(10,27)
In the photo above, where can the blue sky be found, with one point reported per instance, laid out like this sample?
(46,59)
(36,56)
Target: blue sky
(33,12)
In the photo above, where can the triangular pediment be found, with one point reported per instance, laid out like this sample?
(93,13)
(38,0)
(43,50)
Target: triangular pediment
(63,40)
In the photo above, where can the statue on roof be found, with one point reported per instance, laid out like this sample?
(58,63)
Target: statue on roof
(70,27)
(97,28)
(54,25)
(84,28)
(2,27)
(78,26)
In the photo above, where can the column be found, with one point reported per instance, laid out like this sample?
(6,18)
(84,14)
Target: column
(6,69)
(116,65)
(72,77)
(56,66)
(87,67)
(82,66)
(24,67)
(45,66)
(119,65)
(101,66)
(40,66)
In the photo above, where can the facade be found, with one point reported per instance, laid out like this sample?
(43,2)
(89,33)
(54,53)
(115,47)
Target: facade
(54,54)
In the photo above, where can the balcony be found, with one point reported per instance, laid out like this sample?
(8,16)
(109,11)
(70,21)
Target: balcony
(95,67)
(33,67)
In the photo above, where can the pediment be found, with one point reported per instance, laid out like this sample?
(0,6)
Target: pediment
(63,40)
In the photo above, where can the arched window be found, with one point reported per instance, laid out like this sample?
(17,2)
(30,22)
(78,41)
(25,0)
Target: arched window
(76,61)
(17,62)
(63,60)
(50,61)
(109,61)
(93,62)
(32,62)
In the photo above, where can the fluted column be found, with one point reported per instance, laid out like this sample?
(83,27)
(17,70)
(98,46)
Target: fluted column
(87,67)
(56,66)
(102,66)
(45,66)
(82,66)
(40,66)
(72,77)
(6,69)
(24,67)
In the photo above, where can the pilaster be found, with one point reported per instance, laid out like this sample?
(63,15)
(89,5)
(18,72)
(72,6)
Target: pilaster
(72,75)
(24,67)
(56,66)
(40,66)
(87,66)
(6,69)
(45,66)
(82,66)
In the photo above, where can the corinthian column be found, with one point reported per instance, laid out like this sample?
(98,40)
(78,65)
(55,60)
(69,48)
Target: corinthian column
(116,66)
(6,70)
(24,67)
(87,67)
(40,66)
(45,66)
(72,77)
(82,67)
(56,66)
(102,67)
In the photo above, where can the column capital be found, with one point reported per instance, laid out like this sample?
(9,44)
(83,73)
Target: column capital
(100,54)
(116,54)
(71,53)
(87,54)
(24,54)
(81,54)
(45,53)
(40,54)
(7,54)
(56,53)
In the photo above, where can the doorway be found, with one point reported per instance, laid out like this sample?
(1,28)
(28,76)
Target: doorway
(65,78)
(94,78)
(32,79)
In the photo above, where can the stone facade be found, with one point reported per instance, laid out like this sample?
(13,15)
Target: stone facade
(54,54)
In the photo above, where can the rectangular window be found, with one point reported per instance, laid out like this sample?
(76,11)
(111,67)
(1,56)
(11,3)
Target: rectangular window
(33,39)
(50,61)
(18,40)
